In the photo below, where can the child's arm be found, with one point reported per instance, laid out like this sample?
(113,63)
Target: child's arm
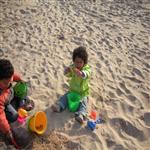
(68,71)
(87,71)
(4,125)
(84,73)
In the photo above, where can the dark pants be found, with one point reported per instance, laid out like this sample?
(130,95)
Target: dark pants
(11,110)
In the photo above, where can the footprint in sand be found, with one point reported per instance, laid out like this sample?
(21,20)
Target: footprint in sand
(146,96)
(24,12)
(123,86)
(111,94)
(119,61)
(146,119)
(133,79)
(35,79)
(137,72)
(112,144)
(147,57)
(98,65)
(119,92)
(132,98)
(122,125)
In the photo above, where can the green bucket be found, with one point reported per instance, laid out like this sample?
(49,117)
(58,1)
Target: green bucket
(20,90)
(73,101)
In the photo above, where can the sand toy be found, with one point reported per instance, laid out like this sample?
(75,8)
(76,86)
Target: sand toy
(20,90)
(73,101)
(38,122)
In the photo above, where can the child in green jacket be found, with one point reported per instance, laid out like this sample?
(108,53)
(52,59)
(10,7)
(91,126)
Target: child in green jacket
(79,74)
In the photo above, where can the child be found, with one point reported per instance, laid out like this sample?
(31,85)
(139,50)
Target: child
(79,72)
(9,104)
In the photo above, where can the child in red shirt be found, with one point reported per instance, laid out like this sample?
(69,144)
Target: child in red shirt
(9,104)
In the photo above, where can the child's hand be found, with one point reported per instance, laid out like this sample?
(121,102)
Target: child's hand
(78,72)
(67,70)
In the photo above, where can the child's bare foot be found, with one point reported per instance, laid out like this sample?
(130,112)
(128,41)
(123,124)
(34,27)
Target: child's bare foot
(55,108)
(79,118)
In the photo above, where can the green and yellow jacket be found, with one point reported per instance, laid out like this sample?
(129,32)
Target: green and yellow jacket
(78,84)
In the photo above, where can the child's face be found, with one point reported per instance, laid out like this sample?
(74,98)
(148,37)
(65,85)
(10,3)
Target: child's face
(79,63)
(5,83)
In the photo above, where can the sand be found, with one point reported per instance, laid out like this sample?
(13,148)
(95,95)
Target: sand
(38,36)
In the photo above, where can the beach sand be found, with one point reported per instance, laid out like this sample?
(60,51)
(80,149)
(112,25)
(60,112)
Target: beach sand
(38,36)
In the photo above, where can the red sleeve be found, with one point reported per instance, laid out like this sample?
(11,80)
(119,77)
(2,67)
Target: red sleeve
(16,77)
(4,125)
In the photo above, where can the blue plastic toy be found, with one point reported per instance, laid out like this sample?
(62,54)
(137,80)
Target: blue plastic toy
(92,124)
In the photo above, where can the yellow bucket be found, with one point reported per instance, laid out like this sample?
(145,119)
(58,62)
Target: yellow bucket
(38,122)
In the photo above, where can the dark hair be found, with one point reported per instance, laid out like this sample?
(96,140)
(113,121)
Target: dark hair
(6,69)
(80,52)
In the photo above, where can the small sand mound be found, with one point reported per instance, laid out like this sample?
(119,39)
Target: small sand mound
(54,141)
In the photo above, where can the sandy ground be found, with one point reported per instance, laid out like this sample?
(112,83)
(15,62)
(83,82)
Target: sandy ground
(38,36)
